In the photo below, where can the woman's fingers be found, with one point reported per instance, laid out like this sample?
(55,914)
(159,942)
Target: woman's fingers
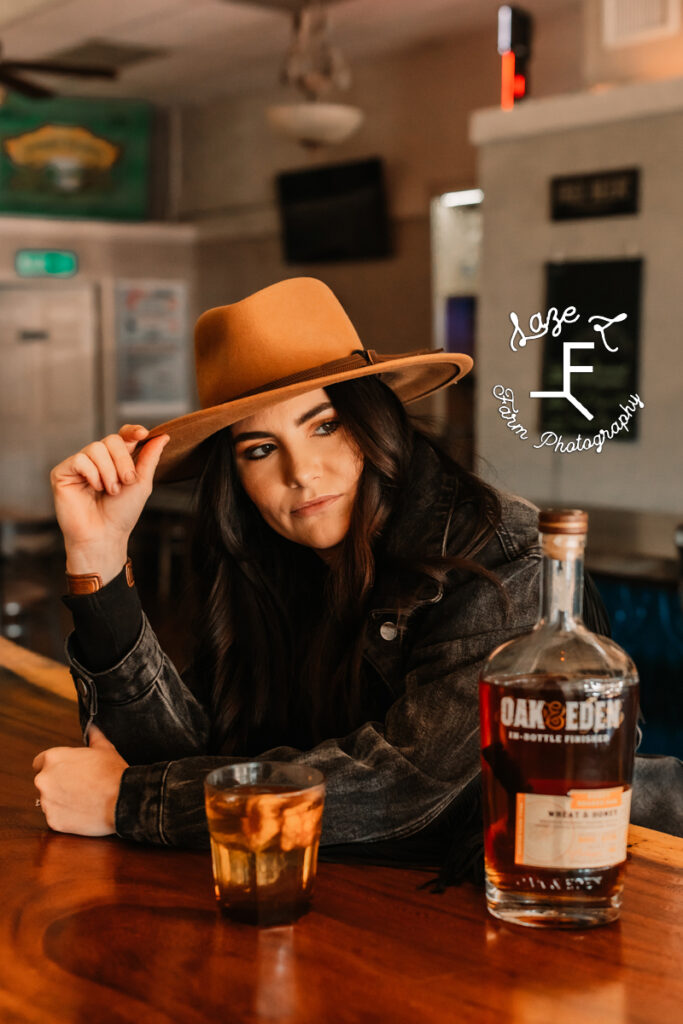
(149,456)
(85,467)
(99,453)
(109,463)
(148,452)
(133,434)
(112,456)
(121,457)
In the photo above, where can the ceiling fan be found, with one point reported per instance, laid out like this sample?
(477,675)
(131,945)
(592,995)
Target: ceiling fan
(11,75)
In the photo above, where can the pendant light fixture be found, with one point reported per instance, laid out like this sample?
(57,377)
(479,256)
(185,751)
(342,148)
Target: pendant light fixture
(316,68)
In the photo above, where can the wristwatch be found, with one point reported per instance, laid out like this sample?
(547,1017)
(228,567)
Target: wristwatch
(91,582)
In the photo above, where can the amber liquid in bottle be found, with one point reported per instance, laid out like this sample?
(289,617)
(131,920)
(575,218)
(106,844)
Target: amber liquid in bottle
(558,720)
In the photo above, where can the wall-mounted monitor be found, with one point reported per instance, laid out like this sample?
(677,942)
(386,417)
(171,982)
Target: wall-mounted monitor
(334,212)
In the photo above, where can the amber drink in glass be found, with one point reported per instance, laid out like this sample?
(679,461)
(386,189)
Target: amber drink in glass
(264,820)
(558,708)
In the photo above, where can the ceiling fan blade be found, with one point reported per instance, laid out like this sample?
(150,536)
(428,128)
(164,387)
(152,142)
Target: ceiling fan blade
(20,85)
(52,68)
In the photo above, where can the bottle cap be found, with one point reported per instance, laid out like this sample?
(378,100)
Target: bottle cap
(563,520)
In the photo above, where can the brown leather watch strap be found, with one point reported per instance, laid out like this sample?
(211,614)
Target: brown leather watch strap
(91,582)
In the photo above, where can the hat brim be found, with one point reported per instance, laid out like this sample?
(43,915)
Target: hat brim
(411,377)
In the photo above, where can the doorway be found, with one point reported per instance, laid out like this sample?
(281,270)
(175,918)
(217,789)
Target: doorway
(456,238)
(48,389)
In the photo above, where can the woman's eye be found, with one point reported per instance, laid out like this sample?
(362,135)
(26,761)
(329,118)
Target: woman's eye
(259,452)
(262,450)
(332,424)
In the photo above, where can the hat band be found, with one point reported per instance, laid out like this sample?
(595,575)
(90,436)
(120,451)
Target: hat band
(359,358)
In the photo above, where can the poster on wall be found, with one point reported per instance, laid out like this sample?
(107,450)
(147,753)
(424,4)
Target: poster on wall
(152,346)
(601,364)
(73,157)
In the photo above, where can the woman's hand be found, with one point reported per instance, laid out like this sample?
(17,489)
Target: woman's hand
(99,494)
(79,786)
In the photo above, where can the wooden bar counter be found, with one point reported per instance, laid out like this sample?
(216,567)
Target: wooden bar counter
(101,930)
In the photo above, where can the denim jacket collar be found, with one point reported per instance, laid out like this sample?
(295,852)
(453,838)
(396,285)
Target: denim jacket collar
(420,523)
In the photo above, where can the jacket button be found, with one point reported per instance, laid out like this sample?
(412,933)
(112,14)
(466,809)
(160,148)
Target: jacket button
(82,688)
(388,631)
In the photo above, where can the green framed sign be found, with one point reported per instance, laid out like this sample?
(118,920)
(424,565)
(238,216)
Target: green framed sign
(73,157)
(45,263)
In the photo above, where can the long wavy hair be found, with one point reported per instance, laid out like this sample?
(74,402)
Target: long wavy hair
(278,634)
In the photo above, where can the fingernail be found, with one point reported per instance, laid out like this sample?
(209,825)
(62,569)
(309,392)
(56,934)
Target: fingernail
(115,489)
(129,478)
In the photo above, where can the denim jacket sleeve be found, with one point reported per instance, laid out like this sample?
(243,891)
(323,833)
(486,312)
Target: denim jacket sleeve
(384,780)
(142,703)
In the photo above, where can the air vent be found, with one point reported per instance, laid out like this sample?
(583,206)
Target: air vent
(630,22)
(102,53)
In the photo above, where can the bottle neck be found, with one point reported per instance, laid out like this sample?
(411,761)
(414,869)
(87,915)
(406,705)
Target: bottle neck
(562,580)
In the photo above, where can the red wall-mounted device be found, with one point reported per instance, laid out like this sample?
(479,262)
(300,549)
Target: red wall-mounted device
(514,47)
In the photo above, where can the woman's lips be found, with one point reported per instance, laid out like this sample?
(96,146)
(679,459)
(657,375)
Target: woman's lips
(316,506)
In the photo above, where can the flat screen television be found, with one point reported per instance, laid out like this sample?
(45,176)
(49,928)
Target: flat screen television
(335,212)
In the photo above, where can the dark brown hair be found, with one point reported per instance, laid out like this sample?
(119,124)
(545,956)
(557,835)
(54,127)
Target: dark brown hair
(279,635)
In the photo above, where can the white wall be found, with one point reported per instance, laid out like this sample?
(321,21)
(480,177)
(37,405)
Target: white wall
(516,163)
(654,58)
(106,252)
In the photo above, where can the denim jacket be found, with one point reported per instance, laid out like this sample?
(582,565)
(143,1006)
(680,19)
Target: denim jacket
(386,779)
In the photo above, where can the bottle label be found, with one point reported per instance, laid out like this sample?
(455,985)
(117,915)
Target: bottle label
(586,829)
(566,722)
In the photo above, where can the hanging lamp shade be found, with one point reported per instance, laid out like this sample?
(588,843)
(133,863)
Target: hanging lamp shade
(314,123)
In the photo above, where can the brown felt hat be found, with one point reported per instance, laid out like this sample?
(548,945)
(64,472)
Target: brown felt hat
(282,341)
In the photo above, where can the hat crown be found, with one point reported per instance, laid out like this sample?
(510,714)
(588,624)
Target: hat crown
(286,328)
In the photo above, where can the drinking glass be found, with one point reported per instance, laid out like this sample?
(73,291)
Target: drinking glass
(265,819)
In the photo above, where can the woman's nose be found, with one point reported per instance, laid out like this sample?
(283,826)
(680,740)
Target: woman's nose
(301,469)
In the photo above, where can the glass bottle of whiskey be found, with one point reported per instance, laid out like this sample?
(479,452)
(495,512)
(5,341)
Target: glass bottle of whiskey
(558,709)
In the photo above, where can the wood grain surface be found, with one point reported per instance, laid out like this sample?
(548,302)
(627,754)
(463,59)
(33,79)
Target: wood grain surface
(102,930)
(37,669)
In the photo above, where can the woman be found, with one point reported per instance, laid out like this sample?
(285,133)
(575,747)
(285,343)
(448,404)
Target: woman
(350,581)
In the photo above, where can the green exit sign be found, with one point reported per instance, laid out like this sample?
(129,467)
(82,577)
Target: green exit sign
(45,263)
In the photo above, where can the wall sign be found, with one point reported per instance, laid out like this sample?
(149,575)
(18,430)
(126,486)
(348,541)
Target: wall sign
(45,263)
(152,343)
(74,157)
(603,194)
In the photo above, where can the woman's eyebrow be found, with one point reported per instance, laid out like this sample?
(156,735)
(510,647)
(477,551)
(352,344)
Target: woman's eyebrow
(250,435)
